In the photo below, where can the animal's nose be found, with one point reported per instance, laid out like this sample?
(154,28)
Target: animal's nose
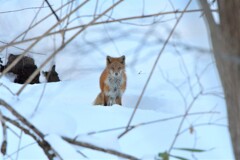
(116,74)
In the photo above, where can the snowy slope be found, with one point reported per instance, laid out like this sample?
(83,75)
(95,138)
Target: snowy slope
(66,110)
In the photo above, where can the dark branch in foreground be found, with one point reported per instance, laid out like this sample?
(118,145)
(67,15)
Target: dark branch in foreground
(91,146)
(39,137)
(31,130)
(54,13)
(43,144)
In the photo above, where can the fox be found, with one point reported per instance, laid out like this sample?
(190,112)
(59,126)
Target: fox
(113,82)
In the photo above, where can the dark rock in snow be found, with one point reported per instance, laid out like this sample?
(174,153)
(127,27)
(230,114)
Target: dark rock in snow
(23,69)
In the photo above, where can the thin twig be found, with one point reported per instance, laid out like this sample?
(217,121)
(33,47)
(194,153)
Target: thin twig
(153,68)
(41,37)
(148,123)
(21,118)
(141,45)
(7,88)
(66,26)
(23,9)
(44,18)
(62,46)
(4,129)
(102,22)
(34,18)
(94,147)
(43,144)
(40,98)
(95,10)
(13,131)
(186,72)
(82,154)
(176,88)
(21,49)
(19,145)
(145,16)
(49,151)
(183,120)
(204,124)
(20,149)
(54,13)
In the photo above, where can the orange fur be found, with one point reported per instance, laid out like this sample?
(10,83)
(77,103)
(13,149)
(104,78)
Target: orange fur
(112,82)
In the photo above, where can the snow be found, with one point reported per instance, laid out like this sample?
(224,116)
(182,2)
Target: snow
(66,152)
(65,108)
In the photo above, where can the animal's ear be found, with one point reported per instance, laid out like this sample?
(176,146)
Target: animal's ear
(44,73)
(123,59)
(108,60)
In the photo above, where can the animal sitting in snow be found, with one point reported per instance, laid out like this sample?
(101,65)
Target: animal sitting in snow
(112,82)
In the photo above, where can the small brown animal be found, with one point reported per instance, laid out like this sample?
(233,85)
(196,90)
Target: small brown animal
(52,75)
(112,82)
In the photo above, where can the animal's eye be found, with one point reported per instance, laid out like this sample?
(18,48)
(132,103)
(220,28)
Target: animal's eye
(119,68)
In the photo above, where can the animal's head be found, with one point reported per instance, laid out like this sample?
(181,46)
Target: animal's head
(116,66)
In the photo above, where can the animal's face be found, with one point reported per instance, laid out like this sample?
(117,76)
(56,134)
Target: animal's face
(116,69)
(116,66)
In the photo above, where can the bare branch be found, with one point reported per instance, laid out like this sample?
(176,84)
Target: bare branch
(19,144)
(183,119)
(204,124)
(40,136)
(7,88)
(24,147)
(102,22)
(44,18)
(34,18)
(4,128)
(21,49)
(91,146)
(148,123)
(21,118)
(208,14)
(63,45)
(54,13)
(154,66)
(41,37)
(23,9)
(43,144)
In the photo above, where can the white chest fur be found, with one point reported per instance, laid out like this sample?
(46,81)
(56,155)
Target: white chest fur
(114,84)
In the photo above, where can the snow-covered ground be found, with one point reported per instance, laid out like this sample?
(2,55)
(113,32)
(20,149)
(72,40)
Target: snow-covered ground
(66,110)
(184,81)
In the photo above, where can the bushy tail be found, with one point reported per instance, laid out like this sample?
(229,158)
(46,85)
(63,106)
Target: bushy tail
(99,100)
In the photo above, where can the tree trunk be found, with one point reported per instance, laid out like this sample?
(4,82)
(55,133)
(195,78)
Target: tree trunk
(226,46)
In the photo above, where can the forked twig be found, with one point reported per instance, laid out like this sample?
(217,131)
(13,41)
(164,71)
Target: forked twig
(102,22)
(63,45)
(12,43)
(7,88)
(183,120)
(94,147)
(153,68)
(39,137)
(40,38)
